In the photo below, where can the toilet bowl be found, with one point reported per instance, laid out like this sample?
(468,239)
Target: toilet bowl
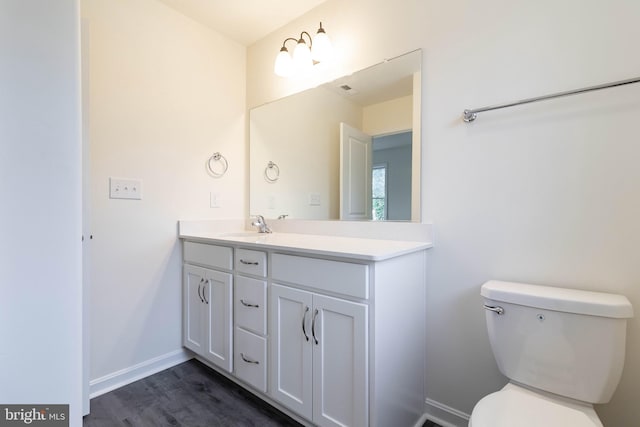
(517,406)
(561,349)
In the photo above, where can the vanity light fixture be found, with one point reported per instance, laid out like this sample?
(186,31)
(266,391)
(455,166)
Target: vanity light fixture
(304,57)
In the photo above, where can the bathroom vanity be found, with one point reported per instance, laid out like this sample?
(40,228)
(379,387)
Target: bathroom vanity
(329,329)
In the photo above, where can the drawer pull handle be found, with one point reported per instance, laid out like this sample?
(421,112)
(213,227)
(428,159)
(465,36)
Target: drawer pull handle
(313,326)
(304,320)
(199,286)
(245,262)
(206,301)
(255,362)
(247,304)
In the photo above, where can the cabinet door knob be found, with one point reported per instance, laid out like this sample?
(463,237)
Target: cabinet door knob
(304,320)
(313,326)
(245,262)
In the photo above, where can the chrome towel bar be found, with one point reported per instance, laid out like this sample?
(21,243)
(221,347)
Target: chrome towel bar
(470,115)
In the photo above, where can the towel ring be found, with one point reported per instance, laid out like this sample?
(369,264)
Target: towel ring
(271,172)
(217,158)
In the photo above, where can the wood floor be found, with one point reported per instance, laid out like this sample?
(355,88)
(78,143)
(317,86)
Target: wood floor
(187,395)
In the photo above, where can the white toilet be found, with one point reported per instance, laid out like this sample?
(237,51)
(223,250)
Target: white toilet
(562,350)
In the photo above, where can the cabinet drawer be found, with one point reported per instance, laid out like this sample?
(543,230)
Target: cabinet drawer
(250,354)
(331,276)
(251,262)
(208,255)
(250,304)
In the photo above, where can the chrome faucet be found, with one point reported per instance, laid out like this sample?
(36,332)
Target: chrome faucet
(261,224)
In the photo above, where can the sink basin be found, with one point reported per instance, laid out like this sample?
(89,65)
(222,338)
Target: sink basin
(242,234)
(248,236)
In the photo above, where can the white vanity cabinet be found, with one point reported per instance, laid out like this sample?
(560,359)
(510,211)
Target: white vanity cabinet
(329,329)
(207,303)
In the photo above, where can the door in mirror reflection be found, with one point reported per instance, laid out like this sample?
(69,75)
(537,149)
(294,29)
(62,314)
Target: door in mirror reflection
(356,148)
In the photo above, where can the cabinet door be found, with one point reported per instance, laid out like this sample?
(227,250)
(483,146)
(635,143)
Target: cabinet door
(218,298)
(291,350)
(340,362)
(193,335)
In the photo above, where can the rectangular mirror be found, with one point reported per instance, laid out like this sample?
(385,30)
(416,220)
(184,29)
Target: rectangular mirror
(348,149)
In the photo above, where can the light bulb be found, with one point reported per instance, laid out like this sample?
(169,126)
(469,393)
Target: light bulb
(302,56)
(321,49)
(284,64)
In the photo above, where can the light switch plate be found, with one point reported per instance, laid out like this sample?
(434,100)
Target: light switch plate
(120,188)
(214,200)
(314,199)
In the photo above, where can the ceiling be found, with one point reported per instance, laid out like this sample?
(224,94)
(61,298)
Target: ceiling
(390,79)
(245,21)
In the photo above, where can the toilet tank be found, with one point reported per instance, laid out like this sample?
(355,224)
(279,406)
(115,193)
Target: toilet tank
(564,341)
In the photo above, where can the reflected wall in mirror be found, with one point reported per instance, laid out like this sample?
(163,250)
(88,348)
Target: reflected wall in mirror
(327,174)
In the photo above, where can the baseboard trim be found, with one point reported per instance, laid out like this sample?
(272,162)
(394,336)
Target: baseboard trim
(125,376)
(445,415)
(423,419)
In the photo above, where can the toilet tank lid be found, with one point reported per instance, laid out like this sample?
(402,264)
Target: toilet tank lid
(559,299)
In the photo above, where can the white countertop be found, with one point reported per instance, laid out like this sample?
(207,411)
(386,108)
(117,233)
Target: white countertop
(336,246)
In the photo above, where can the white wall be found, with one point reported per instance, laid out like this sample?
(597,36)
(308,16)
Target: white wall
(165,94)
(40,184)
(390,116)
(545,193)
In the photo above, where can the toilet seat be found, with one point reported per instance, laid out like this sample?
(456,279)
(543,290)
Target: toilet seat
(517,406)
